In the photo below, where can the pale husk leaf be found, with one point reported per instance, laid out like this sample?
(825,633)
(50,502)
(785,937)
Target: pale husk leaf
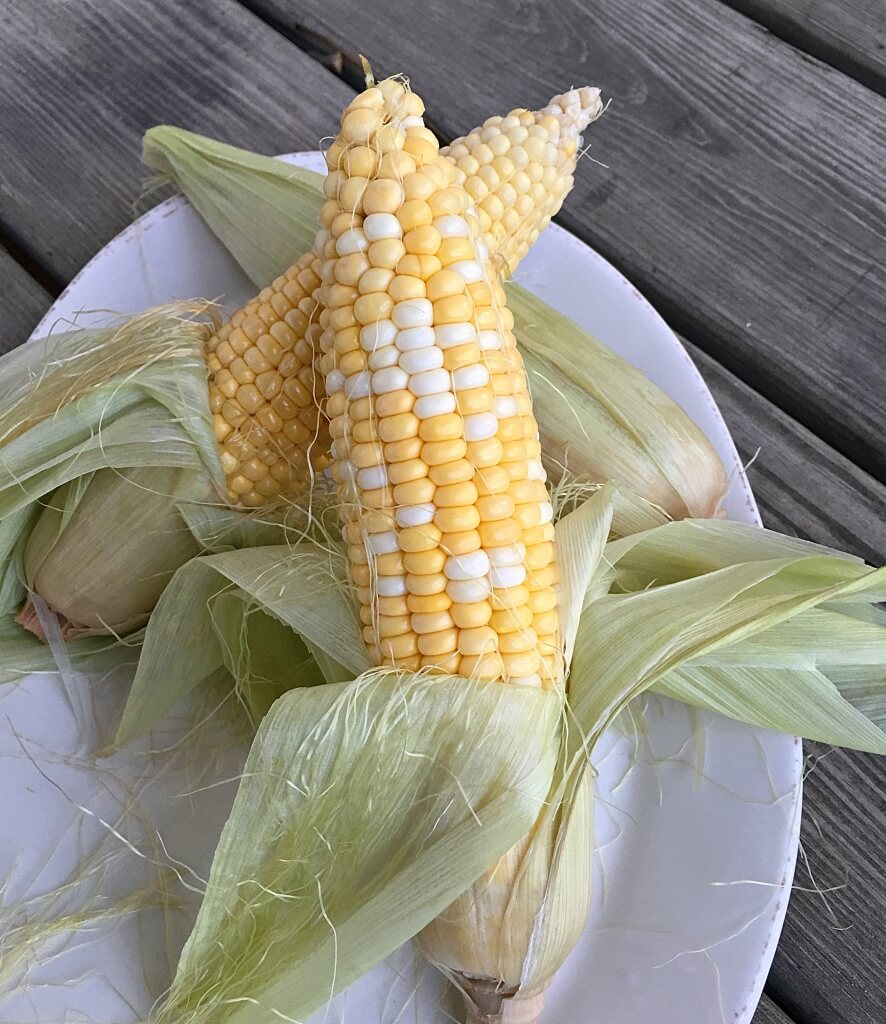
(282,202)
(364,809)
(184,643)
(599,417)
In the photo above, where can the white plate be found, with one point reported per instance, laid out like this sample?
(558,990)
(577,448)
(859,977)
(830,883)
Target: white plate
(696,842)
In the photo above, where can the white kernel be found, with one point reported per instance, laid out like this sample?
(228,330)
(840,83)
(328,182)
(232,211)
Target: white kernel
(415,515)
(382,357)
(390,586)
(480,426)
(357,385)
(489,340)
(434,405)
(413,121)
(431,383)
(505,406)
(382,225)
(471,566)
(470,270)
(452,227)
(413,313)
(466,377)
(536,470)
(418,360)
(450,335)
(335,381)
(377,335)
(415,337)
(389,378)
(482,250)
(503,576)
(371,477)
(351,241)
(547,512)
(533,680)
(339,448)
(383,543)
(468,591)
(510,554)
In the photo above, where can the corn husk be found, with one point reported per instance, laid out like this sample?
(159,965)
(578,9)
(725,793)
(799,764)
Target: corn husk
(734,608)
(103,432)
(599,417)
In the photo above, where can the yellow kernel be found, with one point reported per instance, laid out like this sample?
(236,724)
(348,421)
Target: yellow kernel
(396,165)
(542,601)
(425,240)
(358,124)
(386,252)
(539,556)
(458,519)
(390,606)
(447,663)
(518,641)
(421,563)
(414,492)
(352,362)
(477,640)
(399,647)
(454,495)
(492,480)
(500,532)
(524,663)
(390,564)
(474,400)
(528,515)
(358,161)
(546,622)
(419,538)
(369,309)
(418,185)
(493,507)
(431,622)
(348,269)
(462,355)
(471,616)
(394,402)
(485,453)
(414,213)
(404,287)
(419,265)
(438,644)
(481,666)
(390,625)
(455,250)
(445,283)
(422,586)
(441,428)
(509,598)
(436,453)
(383,196)
(506,620)
(452,472)
(364,455)
(409,469)
(350,195)
(461,543)
(396,428)
(426,603)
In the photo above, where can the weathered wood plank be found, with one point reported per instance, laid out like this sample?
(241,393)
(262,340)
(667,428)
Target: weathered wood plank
(828,968)
(81,81)
(769,1013)
(849,34)
(743,187)
(22,302)
(803,486)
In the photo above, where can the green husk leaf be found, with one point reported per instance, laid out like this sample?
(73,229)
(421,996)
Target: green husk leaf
(283,201)
(598,416)
(364,810)
(102,432)
(687,606)
(184,643)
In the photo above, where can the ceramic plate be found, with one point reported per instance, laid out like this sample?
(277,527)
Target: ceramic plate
(697,816)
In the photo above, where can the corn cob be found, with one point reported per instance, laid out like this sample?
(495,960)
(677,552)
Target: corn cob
(435,448)
(518,169)
(265,393)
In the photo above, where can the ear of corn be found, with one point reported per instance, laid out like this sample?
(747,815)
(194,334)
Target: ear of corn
(447,518)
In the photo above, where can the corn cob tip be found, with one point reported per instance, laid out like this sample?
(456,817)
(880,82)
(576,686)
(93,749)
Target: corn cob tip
(574,110)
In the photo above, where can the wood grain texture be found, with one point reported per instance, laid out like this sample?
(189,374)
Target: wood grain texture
(849,34)
(803,486)
(769,1013)
(827,967)
(742,190)
(22,302)
(829,964)
(80,82)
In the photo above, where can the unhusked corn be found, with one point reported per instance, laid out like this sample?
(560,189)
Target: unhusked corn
(430,412)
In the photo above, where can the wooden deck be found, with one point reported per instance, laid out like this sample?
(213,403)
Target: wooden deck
(741,187)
